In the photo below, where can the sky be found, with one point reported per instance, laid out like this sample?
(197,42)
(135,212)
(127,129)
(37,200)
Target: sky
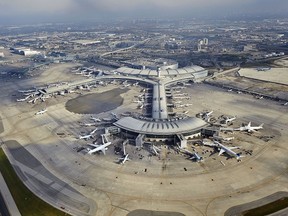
(63,10)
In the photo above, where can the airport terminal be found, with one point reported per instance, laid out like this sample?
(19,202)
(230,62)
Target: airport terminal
(119,134)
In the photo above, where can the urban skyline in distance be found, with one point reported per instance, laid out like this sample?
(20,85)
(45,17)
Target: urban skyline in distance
(33,11)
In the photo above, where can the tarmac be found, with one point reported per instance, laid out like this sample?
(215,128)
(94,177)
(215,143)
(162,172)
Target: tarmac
(9,203)
(207,188)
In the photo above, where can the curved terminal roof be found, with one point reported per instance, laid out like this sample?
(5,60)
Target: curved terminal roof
(166,127)
(169,72)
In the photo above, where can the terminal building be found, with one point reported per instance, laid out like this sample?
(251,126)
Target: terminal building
(161,127)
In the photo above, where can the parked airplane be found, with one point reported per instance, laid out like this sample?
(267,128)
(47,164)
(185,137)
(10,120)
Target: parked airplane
(228,120)
(250,128)
(193,155)
(21,100)
(223,138)
(196,157)
(228,150)
(114,116)
(89,124)
(95,119)
(100,148)
(124,159)
(41,112)
(156,150)
(88,136)
(285,104)
(94,131)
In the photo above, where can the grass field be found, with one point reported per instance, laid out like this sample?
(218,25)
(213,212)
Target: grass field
(27,203)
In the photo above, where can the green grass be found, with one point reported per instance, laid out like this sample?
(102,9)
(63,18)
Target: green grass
(268,208)
(27,203)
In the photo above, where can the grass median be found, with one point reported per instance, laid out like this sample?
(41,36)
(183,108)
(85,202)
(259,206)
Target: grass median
(27,203)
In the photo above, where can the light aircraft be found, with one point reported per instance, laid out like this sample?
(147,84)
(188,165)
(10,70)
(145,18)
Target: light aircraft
(228,150)
(250,128)
(41,112)
(100,148)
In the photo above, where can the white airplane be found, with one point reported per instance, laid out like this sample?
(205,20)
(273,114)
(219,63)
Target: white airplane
(114,116)
(196,157)
(228,150)
(102,148)
(285,104)
(229,90)
(223,138)
(21,100)
(94,131)
(41,112)
(126,85)
(136,84)
(228,120)
(156,150)
(250,128)
(88,136)
(95,119)
(124,159)
(89,124)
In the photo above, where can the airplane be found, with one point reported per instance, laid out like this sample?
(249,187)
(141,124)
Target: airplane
(88,136)
(206,115)
(228,150)
(95,119)
(136,84)
(21,100)
(196,157)
(285,104)
(102,148)
(259,97)
(229,90)
(124,159)
(228,120)
(114,116)
(41,112)
(186,112)
(89,124)
(156,150)
(126,85)
(92,132)
(223,138)
(250,128)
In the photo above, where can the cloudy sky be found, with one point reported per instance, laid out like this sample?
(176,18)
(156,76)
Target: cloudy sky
(82,9)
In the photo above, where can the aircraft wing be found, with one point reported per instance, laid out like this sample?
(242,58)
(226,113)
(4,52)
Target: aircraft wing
(236,147)
(221,152)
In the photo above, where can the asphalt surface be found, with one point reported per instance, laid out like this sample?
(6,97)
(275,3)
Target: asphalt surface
(97,102)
